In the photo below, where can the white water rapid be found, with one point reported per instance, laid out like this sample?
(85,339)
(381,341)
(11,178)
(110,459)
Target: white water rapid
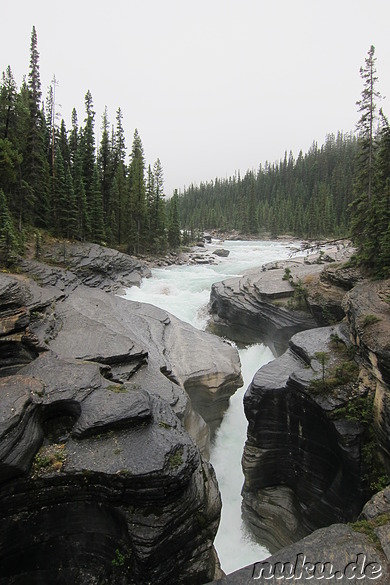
(184,291)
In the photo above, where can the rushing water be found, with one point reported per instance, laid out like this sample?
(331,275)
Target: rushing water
(184,291)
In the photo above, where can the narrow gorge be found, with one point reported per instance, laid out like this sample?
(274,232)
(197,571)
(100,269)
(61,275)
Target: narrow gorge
(110,407)
(317,444)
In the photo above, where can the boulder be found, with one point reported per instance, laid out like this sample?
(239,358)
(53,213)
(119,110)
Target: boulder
(272,303)
(152,348)
(221,252)
(256,307)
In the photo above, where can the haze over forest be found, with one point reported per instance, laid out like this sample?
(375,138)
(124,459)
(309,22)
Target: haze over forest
(213,87)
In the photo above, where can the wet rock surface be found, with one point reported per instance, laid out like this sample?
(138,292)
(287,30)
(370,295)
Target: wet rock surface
(254,308)
(338,553)
(86,263)
(302,458)
(311,452)
(272,303)
(368,310)
(100,479)
(104,483)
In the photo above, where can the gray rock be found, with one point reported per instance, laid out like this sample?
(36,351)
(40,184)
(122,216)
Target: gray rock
(89,264)
(255,308)
(221,252)
(117,490)
(334,553)
(367,309)
(302,460)
(100,480)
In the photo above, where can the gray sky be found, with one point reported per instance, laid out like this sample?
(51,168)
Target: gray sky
(213,86)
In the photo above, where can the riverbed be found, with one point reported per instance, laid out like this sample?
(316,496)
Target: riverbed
(184,291)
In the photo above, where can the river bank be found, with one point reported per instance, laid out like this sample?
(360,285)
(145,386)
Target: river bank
(60,375)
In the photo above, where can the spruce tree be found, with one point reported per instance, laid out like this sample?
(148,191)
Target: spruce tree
(35,166)
(8,96)
(8,237)
(137,201)
(96,210)
(362,210)
(174,235)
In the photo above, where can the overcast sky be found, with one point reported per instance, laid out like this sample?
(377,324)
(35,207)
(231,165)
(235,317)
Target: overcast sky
(213,86)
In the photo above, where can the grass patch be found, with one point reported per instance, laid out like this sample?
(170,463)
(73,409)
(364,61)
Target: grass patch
(370,320)
(175,459)
(368,527)
(48,459)
(117,388)
(164,425)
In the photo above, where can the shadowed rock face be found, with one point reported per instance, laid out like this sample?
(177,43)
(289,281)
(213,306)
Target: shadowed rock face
(100,481)
(115,472)
(302,461)
(254,308)
(367,308)
(334,554)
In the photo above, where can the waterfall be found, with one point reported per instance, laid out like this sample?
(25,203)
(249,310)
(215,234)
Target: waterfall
(184,291)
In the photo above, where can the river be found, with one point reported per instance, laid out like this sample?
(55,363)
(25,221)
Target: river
(184,291)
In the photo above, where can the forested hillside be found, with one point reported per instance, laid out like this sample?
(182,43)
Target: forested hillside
(306,197)
(59,180)
(339,189)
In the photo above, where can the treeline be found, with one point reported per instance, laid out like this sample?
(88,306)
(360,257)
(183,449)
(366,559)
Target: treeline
(60,180)
(339,189)
(307,197)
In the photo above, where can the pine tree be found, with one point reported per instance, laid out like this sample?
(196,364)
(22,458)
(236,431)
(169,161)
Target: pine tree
(8,96)
(174,235)
(8,238)
(363,218)
(35,166)
(73,137)
(119,144)
(70,217)
(63,144)
(382,196)
(157,210)
(87,148)
(83,220)
(51,121)
(105,165)
(137,201)
(59,195)
(96,210)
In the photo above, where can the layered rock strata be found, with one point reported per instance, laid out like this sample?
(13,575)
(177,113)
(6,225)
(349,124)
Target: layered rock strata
(302,459)
(358,553)
(368,310)
(270,305)
(100,481)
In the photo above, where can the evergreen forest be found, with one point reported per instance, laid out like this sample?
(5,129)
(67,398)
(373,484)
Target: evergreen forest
(60,181)
(307,197)
(341,189)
